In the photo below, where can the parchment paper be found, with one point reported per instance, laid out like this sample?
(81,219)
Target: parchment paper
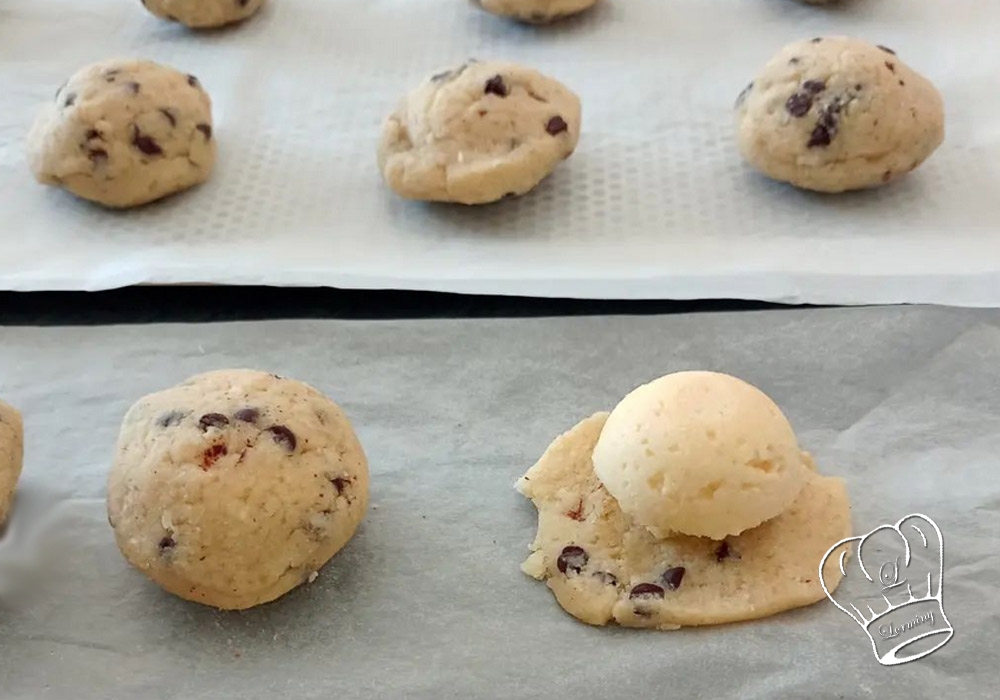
(427,601)
(654,204)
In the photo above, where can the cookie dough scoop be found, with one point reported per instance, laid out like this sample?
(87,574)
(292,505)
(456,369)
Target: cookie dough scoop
(478,133)
(700,453)
(123,133)
(536,11)
(833,114)
(11,455)
(235,487)
(203,14)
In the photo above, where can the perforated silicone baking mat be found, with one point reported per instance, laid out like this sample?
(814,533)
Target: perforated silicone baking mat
(655,203)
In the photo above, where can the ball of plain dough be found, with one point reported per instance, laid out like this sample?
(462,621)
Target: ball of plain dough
(11,455)
(478,133)
(204,13)
(235,487)
(833,114)
(123,133)
(536,11)
(700,453)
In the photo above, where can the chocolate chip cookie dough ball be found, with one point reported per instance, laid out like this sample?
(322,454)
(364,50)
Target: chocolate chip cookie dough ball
(700,453)
(536,11)
(834,114)
(11,455)
(123,133)
(235,487)
(478,133)
(203,13)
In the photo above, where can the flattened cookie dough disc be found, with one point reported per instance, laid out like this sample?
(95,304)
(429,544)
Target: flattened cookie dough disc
(833,114)
(11,455)
(235,487)
(123,133)
(603,569)
(536,11)
(204,13)
(478,133)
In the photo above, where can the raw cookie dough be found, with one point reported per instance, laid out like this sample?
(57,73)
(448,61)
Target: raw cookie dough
(536,11)
(700,453)
(235,487)
(11,455)
(603,568)
(123,133)
(203,13)
(478,133)
(834,114)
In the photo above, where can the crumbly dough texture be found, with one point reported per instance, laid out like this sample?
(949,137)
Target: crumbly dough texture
(700,453)
(536,11)
(204,13)
(478,133)
(832,114)
(11,455)
(123,133)
(605,569)
(235,487)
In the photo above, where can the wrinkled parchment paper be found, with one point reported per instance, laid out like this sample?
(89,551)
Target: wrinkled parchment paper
(428,601)
(654,204)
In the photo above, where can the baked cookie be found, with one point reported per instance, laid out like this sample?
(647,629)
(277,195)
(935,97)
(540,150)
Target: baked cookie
(203,13)
(604,568)
(11,455)
(834,114)
(535,11)
(478,133)
(123,133)
(235,487)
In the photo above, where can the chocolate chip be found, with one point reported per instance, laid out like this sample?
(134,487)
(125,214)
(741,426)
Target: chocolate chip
(146,144)
(70,99)
(97,155)
(193,81)
(646,590)
(606,578)
(799,104)
(171,418)
(206,129)
(672,577)
(340,483)
(741,98)
(723,551)
(167,542)
(891,66)
(242,3)
(556,126)
(440,77)
(902,84)
(496,86)
(814,86)
(817,40)
(794,60)
(283,436)
(213,420)
(572,558)
(210,456)
(247,415)
(859,87)
(134,87)
(110,75)
(93,134)
(820,136)
(887,49)
(169,115)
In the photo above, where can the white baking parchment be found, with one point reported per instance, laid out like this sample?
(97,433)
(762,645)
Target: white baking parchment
(654,204)
(427,601)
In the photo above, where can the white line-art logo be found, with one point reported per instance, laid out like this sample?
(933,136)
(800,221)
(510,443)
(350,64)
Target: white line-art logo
(902,566)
